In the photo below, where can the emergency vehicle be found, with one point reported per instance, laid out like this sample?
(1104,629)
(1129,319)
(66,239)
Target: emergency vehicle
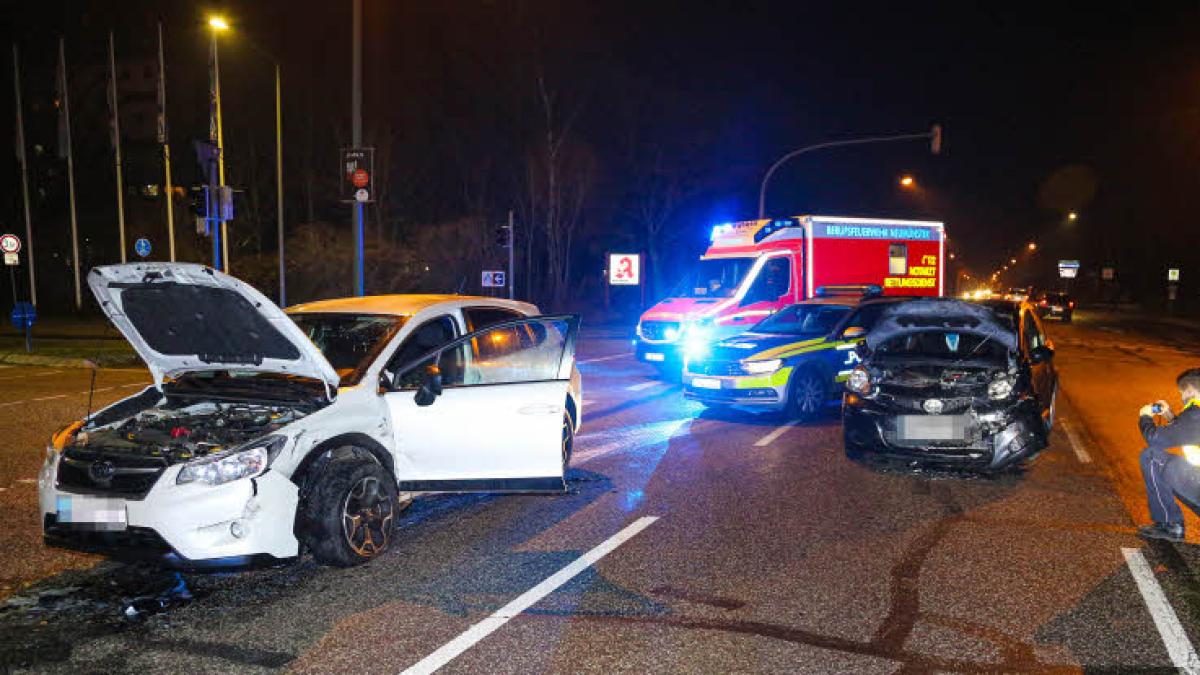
(755,268)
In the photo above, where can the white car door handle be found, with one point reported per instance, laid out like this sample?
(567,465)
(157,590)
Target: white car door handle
(540,409)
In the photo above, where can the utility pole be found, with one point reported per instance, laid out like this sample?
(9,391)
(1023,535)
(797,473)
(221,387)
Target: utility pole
(512,244)
(24,176)
(279,183)
(165,142)
(66,112)
(116,140)
(356,140)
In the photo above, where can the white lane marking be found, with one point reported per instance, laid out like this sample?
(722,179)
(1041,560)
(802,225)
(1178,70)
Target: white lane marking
(4,405)
(452,649)
(770,438)
(1080,453)
(1183,655)
(135,384)
(641,386)
(604,358)
(49,398)
(26,480)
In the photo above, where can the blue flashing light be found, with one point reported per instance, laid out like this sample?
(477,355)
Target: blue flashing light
(721,230)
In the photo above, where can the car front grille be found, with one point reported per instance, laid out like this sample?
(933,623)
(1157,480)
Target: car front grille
(657,330)
(131,477)
(950,405)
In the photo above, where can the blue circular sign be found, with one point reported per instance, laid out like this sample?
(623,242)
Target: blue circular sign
(142,247)
(23,315)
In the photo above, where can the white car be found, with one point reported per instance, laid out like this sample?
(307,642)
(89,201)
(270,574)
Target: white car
(267,433)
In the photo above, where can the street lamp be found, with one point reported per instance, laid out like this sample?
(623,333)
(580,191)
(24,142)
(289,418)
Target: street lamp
(1032,246)
(218,23)
(1072,216)
(907,181)
(1012,261)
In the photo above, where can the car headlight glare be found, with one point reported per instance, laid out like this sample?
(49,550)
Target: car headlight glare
(232,465)
(859,381)
(761,367)
(1000,388)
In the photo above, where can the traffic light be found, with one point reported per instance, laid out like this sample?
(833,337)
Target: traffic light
(503,236)
(935,139)
(199,204)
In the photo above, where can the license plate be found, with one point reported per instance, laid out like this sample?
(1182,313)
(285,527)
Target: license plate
(655,356)
(93,513)
(1056,308)
(932,427)
(705,383)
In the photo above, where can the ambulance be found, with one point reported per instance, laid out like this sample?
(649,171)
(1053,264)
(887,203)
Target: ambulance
(754,268)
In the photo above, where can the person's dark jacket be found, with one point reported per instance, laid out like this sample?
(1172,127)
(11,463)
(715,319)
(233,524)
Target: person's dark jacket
(1183,430)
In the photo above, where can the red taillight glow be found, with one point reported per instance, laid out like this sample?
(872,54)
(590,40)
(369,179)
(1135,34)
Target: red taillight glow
(1044,303)
(1071,304)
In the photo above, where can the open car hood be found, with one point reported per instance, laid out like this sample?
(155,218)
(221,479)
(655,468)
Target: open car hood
(939,314)
(183,317)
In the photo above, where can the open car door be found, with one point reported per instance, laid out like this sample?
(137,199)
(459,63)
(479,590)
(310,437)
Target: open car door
(487,411)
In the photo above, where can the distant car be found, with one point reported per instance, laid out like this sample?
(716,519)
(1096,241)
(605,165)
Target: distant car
(1018,293)
(265,433)
(951,382)
(792,362)
(1056,305)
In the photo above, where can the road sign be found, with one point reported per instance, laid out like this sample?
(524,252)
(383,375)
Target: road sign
(1108,273)
(1172,274)
(493,279)
(358,166)
(142,247)
(10,243)
(23,315)
(624,269)
(12,259)
(1068,269)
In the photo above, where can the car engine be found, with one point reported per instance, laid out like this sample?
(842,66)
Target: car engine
(182,434)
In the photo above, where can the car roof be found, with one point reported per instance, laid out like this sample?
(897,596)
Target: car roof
(404,304)
(843,300)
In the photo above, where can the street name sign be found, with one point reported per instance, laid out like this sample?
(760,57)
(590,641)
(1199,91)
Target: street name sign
(1068,269)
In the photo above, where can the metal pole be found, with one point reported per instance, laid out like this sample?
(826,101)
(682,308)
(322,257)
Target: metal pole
(166,145)
(24,176)
(762,190)
(356,137)
(220,158)
(512,244)
(116,139)
(279,184)
(62,58)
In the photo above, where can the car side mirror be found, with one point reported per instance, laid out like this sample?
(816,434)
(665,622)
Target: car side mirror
(1040,354)
(431,386)
(386,382)
(854,333)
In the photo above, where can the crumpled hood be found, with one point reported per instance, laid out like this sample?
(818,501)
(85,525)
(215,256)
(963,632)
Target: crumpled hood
(683,309)
(939,314)
(183,317)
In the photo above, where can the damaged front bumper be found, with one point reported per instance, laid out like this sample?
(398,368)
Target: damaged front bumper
(993,440)
(193,526)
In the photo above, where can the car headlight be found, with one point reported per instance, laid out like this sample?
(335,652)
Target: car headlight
(234,464)
(761,367)
(859,381)
(999,388)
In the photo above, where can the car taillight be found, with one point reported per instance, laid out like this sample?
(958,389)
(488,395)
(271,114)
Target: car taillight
(1044,303)
(1071,304)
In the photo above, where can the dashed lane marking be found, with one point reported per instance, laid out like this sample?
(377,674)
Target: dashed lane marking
(82,393)
(1077,446)
(604,358)
(469,638)
(770,438)
(48,398)
(641,386)
(1183,655)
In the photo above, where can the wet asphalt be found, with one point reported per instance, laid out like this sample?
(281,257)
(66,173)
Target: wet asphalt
(766,557)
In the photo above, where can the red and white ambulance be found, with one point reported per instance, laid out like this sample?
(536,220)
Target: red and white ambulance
(756,267)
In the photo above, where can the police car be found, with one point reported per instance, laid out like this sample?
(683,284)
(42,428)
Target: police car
(791,362)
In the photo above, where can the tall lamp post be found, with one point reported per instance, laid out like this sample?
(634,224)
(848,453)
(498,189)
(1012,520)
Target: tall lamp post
(218,24)
(934,135)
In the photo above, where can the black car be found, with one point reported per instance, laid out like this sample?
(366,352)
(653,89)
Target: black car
(1056,305)
(952,382)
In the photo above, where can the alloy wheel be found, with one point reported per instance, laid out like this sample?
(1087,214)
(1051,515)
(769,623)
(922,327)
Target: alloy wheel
(367,515)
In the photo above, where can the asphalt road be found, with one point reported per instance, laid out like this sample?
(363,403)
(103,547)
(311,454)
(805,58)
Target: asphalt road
(689,542)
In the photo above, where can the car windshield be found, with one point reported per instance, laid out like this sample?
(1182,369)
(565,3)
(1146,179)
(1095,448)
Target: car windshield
(349,341)
(943,345)
(714,278)
(813,320)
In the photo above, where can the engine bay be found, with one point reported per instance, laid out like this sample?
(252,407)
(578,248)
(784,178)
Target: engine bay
(188,432)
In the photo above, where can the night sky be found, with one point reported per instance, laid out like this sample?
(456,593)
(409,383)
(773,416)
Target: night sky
(1046,109)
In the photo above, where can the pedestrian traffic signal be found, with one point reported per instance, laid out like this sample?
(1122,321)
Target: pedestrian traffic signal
(503,236)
